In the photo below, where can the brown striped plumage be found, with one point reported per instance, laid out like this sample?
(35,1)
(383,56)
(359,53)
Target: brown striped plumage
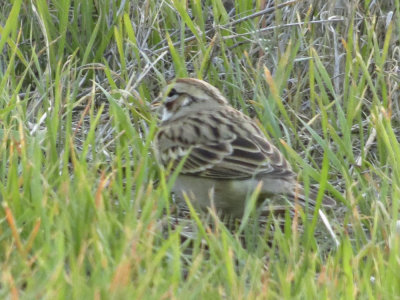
(226,154)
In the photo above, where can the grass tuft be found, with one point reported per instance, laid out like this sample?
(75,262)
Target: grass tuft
(85,210)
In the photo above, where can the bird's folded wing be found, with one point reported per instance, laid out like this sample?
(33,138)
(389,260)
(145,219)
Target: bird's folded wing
(221,151)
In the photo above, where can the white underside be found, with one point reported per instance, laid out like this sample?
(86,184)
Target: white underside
(228,196)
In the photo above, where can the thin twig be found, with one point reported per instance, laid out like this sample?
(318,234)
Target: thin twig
(280,26)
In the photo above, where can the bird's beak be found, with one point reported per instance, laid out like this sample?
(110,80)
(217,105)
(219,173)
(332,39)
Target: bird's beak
(155,104)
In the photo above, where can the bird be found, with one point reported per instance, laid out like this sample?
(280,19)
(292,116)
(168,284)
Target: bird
(222,153)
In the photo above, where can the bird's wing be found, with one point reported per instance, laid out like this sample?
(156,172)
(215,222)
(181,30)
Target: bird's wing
(222,145)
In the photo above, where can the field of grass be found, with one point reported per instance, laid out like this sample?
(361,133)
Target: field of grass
(86,211)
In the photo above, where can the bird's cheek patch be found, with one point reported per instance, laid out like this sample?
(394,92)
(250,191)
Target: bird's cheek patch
(166,115)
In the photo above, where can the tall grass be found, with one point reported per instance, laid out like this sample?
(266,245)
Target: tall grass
(86,211)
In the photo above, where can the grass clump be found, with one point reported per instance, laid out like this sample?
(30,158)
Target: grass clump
(86,212)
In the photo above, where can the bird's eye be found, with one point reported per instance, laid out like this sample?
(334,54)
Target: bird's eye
(172,92)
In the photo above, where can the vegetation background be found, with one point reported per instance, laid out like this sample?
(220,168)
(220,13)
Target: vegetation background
(86,212)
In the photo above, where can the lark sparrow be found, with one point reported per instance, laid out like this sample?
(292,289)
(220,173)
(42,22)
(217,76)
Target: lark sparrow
(226,154)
